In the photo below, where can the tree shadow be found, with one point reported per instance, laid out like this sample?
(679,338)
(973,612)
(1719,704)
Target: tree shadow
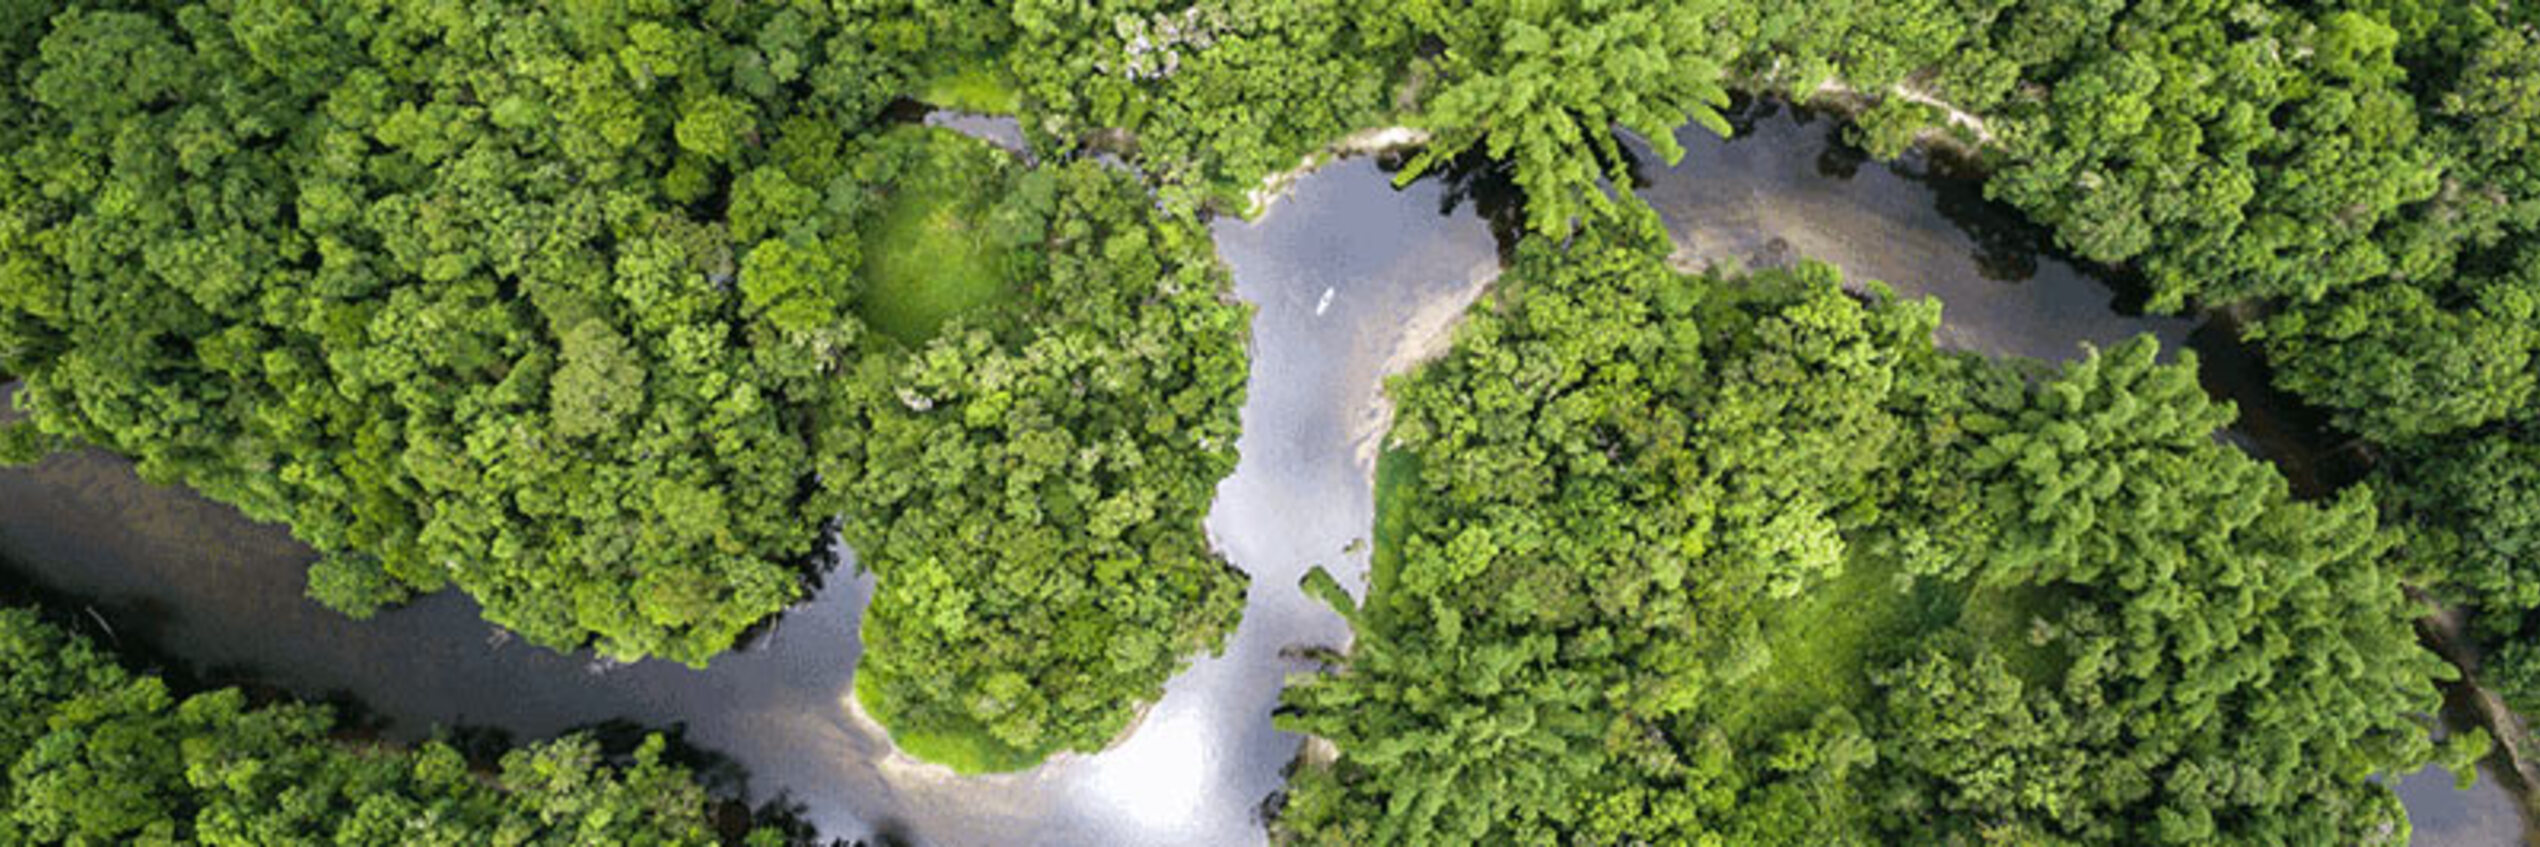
(1476,180)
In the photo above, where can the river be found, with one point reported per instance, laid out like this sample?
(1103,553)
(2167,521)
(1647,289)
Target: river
(1787,187)
(1353,280)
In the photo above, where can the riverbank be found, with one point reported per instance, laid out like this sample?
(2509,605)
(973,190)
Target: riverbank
(1349,274)
(2446,630)
(1790,188)
(1365,142)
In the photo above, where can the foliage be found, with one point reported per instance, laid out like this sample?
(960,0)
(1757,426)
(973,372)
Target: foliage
(2093,623)
(2402,363)
(933,253)
(2232,662)
(448,312)
(2365,170)
(1543,85)
(1028,483)
(599,312)
(972,88)
(567,307)
(1601,432)
(1212,96)
(2513,672)
(2475,511)
(97,754)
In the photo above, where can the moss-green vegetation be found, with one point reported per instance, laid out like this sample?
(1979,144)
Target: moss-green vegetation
(599,312)
(972,86)
(1029,485)
(1825,642)
(931,254)
(966,747)
(1395,469)
(1213,96)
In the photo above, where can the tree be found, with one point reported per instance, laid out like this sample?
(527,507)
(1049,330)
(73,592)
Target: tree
(1543,86)
(1744,560)
(1028,483)
(2205,660)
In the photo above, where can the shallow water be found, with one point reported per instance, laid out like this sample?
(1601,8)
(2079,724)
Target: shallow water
(2444,816)
(1352,279)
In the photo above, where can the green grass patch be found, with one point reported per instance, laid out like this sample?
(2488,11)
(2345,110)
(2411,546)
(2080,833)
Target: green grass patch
(1826,642)
(974,86)
(929,255)
(1823,642)
(2002,618)
(968,749)
(1395,471)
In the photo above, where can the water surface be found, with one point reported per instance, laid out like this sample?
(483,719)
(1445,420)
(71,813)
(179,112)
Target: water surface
(1787,187)
(1353,279)
(1340,271)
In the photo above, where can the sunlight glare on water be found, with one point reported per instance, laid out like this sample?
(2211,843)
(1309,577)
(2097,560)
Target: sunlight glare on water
(1159,775)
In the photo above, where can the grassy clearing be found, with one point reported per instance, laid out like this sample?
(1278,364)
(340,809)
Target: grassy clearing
(969,750)
(975,86)
(929,257)
(1395,470)
(1823,642)
(2002,618)
(1826,641)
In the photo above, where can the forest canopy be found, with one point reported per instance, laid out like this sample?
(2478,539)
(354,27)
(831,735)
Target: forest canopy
(2360,180)
(1029,482)
(604,313)
(1743,559)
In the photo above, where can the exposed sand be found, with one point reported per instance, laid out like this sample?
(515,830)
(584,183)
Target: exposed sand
(1426,335)
(1363,142)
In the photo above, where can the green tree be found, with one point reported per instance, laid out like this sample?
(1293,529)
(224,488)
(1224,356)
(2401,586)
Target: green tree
(1544,85)
(1727,559)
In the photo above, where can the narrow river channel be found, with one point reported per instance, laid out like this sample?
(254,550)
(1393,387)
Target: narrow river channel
(1353,280)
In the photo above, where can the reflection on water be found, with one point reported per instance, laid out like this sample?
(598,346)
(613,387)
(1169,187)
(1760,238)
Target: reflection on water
(2444,816)
(200,582)
(1353,280)
(1786,187)
(1000,131)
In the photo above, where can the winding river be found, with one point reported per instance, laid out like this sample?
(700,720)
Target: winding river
(1353,280)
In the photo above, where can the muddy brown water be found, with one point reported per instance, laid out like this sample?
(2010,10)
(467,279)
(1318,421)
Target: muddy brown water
(1353,279)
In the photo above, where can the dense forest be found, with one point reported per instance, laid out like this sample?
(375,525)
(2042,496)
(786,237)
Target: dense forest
(602,313)
(2360,179)
(607,314)
(96,753)
(1029,483)
(1743,559)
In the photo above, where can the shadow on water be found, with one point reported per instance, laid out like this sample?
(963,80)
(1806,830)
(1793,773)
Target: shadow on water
(1788,185)
(1474,184)
(1341,271)
(197,591)
(1352,279)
